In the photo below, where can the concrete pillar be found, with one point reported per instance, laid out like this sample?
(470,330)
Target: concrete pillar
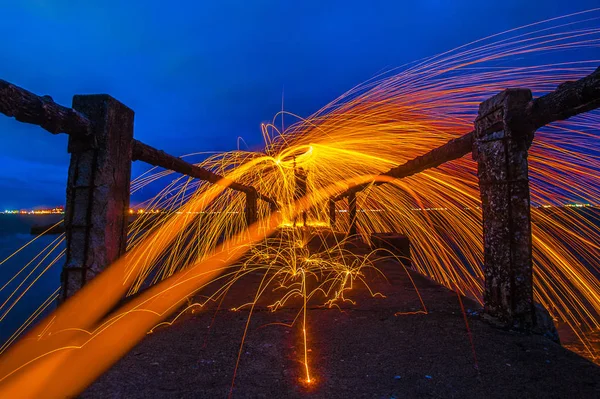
(352,213)
(502,139)
(331,204)
(96,214)
(251,207)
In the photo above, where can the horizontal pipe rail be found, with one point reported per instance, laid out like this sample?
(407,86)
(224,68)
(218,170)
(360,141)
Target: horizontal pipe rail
(453,149)
(28,107)
(569,99)
(148,154)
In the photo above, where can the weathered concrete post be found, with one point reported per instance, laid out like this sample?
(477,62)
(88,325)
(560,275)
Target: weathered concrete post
(97,191)
(352,213)
(251,207)
(500,146)
(331,204)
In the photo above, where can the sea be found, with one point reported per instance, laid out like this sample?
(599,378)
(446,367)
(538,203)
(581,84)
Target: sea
(14,234)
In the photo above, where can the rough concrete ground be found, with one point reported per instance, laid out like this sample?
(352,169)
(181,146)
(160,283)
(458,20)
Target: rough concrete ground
(362,351)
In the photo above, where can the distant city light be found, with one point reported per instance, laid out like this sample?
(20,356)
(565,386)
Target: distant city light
(141,211)
(51,211)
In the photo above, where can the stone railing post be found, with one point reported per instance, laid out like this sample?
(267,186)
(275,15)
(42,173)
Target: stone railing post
(251,207)
(502,139)
(331,204)
(96,214)
(352,213)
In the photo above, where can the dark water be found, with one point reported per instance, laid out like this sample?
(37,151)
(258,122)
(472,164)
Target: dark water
(14,233)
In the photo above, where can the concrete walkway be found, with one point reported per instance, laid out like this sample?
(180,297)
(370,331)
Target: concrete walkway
(363,351)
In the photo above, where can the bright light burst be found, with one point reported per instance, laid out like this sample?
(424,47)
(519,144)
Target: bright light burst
(390,119)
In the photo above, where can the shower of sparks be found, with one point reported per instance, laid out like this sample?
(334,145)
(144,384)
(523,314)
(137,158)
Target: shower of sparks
(202,238)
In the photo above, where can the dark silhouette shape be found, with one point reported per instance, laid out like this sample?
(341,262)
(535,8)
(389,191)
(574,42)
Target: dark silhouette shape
(300,177)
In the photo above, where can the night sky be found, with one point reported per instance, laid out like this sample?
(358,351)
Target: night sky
(200,75)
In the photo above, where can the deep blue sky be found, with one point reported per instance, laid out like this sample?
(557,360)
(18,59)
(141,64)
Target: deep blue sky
(198,74)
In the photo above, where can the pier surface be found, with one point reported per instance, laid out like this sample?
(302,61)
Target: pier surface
(378,348)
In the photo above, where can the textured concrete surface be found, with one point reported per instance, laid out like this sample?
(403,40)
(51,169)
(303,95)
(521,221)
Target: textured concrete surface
(97,207)
(362,351)
(502,140)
